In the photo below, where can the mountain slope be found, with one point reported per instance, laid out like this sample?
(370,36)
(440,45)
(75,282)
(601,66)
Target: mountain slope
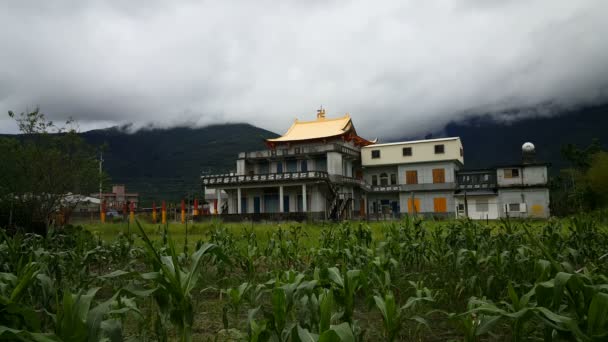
(167,163)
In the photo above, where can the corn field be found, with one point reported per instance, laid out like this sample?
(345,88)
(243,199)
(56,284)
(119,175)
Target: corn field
(414,280)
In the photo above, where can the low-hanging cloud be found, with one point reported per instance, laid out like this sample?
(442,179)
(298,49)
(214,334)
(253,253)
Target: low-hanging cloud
(398,67)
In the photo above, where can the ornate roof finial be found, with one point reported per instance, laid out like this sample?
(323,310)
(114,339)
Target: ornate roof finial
(320,113)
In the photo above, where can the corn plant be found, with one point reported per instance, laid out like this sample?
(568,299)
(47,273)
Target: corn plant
(346,284)
(175,283)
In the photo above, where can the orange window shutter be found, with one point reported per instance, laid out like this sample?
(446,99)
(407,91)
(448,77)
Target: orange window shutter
(440,204)
(411,177)
(410,209)
(438,176)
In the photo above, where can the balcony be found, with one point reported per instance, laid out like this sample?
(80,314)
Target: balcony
(211,180)
(232,179)
(476,180)
(300,151)
(412,187)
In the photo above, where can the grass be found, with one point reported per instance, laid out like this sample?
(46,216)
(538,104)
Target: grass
(201,230)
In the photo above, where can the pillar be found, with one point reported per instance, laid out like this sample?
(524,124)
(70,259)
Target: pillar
(218,203)
(304,201)
(239,205)
(281,202)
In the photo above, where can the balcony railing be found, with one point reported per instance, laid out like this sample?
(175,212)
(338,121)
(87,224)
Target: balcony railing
(412,187)
(232,179)
(385,188)
(263,178)
(301,150)
(477,186)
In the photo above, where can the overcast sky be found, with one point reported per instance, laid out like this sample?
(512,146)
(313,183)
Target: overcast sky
(398,67)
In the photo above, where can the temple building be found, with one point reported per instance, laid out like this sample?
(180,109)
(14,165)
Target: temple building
(314,168)
(322,169)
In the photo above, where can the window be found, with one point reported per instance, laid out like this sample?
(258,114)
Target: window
(411,177)
(393,179)
(375,154)
(461,152)
(438,176)
(321,164)
(511,173)
(461,207)
(279,167)
(263,168)
(304,166)
(383,179)
(374,180)
(514,207)
(481,206)
(292,166)
(407,151)
(439,149)
(440,204)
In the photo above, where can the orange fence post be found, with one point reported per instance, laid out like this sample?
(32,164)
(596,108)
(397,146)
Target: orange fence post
(103,212)
(153,212)
(183,212)
(164,213)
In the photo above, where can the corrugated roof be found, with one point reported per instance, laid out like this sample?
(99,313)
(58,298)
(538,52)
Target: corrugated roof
(317,129)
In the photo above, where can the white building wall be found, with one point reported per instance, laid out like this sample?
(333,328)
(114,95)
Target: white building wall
(316,198)
(528,175)
(536,202)
(377,171)
(240,167)
(422,151)
(425,171)
(334,163)
(477,212)
(427,204)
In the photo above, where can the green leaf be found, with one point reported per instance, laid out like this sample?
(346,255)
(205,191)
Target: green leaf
(335,276)
(598,314)
(344,332)
(306,336)
(8,334)
(486,324)
(325,310)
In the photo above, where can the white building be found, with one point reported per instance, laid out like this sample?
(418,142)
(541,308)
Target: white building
(516,190)
(313,170)
(412,176)
(322,169)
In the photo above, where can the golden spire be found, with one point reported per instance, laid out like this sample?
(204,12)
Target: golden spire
(320,113)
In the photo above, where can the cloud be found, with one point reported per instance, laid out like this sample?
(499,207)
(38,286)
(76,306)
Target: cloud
(398,67)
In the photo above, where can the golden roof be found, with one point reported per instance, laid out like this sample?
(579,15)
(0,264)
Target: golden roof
(317,129)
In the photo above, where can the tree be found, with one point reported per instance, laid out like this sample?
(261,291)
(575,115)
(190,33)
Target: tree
(46,163)
(571,190)
(597,176)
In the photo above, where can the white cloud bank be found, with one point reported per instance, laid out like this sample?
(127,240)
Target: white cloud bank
(399,67)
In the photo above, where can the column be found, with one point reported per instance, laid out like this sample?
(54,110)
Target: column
(218,193)
(238,201)
(304,206)
(281,208)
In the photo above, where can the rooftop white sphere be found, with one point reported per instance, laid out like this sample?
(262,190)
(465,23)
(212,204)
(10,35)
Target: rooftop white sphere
(528,147)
